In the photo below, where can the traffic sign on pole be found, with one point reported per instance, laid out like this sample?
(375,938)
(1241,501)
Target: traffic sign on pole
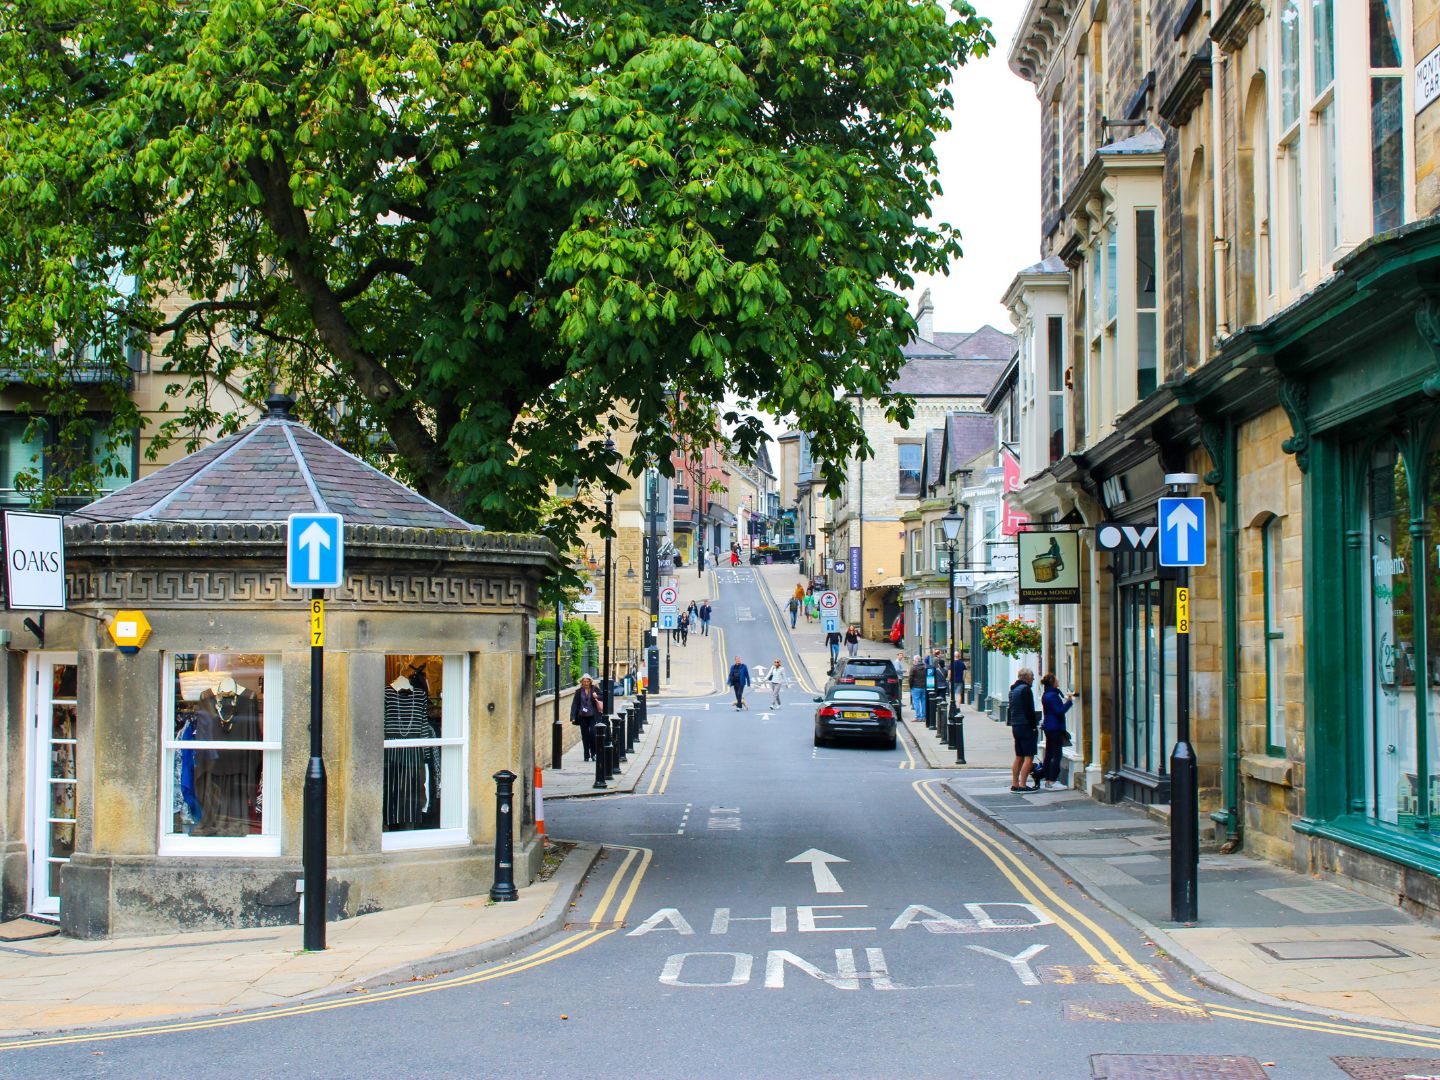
(315,551)
(830,624)
(668,596)
(1182,531)
(829,601)
(669,620)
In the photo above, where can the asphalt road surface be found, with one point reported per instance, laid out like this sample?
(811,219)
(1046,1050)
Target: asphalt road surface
(768,909)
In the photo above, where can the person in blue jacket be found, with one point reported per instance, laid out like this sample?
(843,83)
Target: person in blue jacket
(739,679)
(1054,706)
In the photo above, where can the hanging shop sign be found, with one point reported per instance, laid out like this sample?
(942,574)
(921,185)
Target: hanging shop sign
(34,561)
(1049,567)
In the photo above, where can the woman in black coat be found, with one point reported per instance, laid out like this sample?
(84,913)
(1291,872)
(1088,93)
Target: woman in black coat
(585,708)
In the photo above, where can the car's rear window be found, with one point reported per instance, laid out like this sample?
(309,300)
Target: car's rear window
(869,667)
(858,694)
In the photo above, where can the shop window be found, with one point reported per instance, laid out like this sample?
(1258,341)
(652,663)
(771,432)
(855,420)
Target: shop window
(1391,750)
(917,552)
(1272,574)
(221,781)
(940,559)
(425,720)
(909,479)
(1289,62)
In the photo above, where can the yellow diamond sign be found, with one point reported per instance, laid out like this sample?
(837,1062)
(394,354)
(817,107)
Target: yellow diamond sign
(129,630)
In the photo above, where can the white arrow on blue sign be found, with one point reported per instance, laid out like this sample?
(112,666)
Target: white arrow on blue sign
(1182,532)
(315,551)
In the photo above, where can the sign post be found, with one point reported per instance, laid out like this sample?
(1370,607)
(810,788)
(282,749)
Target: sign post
(34,561)
(315,560)
(1181,521)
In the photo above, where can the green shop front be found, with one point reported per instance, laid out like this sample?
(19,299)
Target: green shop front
(1357,370)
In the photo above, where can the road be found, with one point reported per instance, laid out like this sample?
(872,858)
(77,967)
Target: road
(769,909)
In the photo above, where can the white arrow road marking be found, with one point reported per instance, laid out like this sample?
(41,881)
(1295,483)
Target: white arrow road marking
(1183,520)
(825,881)
(314,538)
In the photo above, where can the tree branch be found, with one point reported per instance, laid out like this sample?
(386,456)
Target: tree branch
(383,265)
(292,232)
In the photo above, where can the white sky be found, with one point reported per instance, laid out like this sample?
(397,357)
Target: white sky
(995,203)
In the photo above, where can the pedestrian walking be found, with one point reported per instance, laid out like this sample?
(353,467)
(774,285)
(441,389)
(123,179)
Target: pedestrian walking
(832,639)
(775,678)
(810,611)
(738,680)
(585,709)
(734,559)
(852,640)
(800,592)
(794,607)
(1053,706)
(937,665)
(957,675)
(1024,723)
(705,618)
(917,687)
(685,628)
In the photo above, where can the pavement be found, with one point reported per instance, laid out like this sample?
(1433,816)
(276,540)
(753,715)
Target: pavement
(59,983)
(575,779)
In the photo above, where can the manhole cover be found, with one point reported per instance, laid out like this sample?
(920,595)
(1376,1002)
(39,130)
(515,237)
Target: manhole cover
(1175,1067)
(1134,1012)
(1321,900)
(1368,1068)
(1330,950)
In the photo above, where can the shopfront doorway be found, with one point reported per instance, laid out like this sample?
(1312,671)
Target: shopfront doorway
(53,794)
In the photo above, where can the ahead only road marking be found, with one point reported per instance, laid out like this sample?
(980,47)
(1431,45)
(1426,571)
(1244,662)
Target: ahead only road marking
(635,864)
(1137,977)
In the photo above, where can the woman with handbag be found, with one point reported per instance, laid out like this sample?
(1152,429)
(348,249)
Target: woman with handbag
(585,708)
(1054,705)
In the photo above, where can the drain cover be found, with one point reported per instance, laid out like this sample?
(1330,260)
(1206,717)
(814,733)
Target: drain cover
(1367,1068)
(1175,1067)
(1321,899)
(1330,950)
(1134,1012)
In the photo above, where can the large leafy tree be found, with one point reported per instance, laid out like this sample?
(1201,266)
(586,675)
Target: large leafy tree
(468,235)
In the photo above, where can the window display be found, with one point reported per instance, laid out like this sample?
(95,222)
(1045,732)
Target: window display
(222,750)
(423,790)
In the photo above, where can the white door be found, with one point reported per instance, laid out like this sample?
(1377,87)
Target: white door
(52,772)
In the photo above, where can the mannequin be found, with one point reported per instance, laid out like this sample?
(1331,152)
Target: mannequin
(226,781)
(410,774)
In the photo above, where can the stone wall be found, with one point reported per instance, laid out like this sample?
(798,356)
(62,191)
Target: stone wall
(1427,124)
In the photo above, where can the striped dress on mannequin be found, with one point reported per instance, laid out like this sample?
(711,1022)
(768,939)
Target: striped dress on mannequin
(407,768)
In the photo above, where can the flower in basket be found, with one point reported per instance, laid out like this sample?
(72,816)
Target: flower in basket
(1012,637)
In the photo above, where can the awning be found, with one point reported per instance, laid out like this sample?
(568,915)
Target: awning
(888,583)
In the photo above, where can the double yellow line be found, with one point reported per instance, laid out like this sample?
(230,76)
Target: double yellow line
(1117,961)
(802,673)
(633,867)
(665,764)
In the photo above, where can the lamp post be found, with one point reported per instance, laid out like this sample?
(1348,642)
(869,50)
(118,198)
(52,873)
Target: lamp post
(608,694)
(629,576)
(1184,793)
(952,523)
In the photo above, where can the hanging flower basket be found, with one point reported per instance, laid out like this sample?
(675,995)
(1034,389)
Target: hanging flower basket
(1012,637)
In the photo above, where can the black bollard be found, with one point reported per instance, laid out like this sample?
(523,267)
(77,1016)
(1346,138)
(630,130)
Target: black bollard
(940,717)
(622,751)
(632,724)
(930,707)
(504,887)
(642,706)
(598,730)
(612,760)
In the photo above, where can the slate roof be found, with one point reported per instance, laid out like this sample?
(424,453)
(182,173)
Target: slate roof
(936,377)
(969,435)
(272,469)
(987,343)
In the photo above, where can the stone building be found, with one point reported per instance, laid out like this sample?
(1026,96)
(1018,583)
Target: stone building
(943,373)
(160,789)
(1234,208)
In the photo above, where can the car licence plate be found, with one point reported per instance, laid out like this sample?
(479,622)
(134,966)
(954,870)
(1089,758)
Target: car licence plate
(856,715)
(864,682)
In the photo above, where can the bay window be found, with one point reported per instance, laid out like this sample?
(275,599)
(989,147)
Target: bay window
(1387,118)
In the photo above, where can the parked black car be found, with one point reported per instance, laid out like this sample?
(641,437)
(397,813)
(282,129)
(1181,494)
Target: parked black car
(855,712)
(869,671)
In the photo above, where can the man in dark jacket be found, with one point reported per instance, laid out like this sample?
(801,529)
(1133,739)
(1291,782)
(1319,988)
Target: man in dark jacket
(739,679)
(1024,729)
(957,676)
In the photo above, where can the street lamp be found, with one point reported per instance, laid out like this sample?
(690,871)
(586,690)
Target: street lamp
(1184,794)
(952,523)
(629,576)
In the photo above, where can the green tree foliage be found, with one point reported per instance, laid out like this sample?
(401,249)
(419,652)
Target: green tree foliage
(468,235)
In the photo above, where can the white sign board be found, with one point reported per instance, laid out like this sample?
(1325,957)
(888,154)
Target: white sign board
(315,551)
(829,601)
(1427,80)
(34,561)
(668,596)
(586,607)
